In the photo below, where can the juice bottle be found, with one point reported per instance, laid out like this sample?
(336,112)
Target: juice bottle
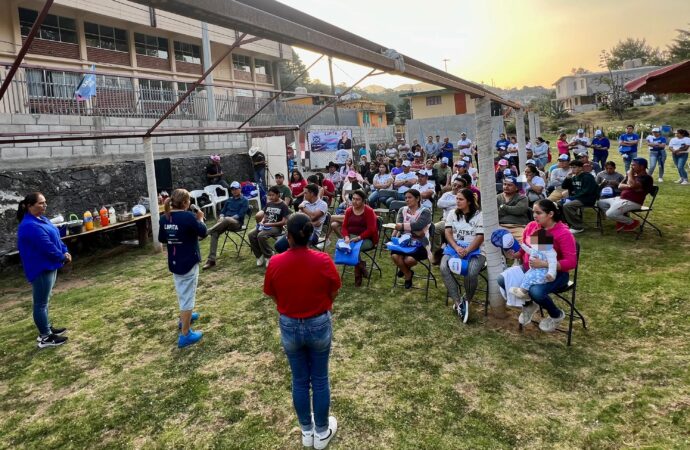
(104,217)
(96,218)
(88,221)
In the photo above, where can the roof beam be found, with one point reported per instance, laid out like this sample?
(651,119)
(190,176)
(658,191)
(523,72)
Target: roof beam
(275,21)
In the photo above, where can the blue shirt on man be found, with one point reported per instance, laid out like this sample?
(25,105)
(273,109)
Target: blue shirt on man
(627,137)
(236,207)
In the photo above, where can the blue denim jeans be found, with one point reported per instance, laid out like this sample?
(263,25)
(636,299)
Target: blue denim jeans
(539,293)
(680,161)
(260,176)
(42,287)
(307,344)
(627,161)
(657,156)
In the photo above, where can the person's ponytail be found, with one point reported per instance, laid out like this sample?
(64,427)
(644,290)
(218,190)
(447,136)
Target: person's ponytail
(23,207)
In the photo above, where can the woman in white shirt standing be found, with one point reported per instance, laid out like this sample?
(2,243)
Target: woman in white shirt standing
(680,146)
(541,152)
(465,224)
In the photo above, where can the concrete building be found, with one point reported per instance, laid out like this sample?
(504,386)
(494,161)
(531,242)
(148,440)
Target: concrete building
(582,92)
(139,49)
(438,103)
(369,113)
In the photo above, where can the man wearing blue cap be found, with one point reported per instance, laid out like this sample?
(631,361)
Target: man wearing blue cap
(231,219)
(634,189)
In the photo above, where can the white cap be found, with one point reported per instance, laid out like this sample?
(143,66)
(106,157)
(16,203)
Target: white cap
(466,158)
(423,173)
(655,130)
(580,131)
(406,163)
(530,161)
(444,160)
(598,133)
(563,157)
(235,185)
(463,134)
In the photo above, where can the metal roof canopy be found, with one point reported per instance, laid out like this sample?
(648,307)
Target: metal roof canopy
(673,79)
(273,20)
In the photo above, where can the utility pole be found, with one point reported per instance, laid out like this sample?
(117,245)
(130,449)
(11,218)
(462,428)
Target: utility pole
(335,104)
(445,63)
(206,48)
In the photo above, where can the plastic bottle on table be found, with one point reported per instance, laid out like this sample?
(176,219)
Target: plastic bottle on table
(111,215)
(88,221)
(96,218)
(104,216)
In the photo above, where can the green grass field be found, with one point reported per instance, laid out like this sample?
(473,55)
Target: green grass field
(405,373)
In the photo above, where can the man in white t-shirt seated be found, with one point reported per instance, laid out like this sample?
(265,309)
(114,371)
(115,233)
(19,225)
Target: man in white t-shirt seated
(316,209)
(403,182)
(425,187)
(579,143)
(464,145)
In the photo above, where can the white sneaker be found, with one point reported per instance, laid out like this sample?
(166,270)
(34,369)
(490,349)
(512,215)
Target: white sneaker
(321,440)
(684,182)
(576,230)
(322,245)
(260,261)
(267,261)
(527,313)
(661,180)
(550,324)
(308,438)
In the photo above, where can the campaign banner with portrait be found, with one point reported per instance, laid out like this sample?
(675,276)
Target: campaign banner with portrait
(329,140)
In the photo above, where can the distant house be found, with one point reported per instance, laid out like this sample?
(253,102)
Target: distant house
(582,92)
(369,113)
(438,103)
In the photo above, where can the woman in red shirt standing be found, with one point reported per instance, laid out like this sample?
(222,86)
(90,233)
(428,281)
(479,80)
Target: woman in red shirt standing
(360,224)
(303,283)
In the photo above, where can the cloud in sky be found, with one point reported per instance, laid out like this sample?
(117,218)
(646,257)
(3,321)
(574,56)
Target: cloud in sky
(512,43)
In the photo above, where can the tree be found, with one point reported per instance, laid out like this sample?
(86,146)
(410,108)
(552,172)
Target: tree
(292,69)
(634,48)
(391,110)
(615,96)
(579,71)
(680,49)
(404,110)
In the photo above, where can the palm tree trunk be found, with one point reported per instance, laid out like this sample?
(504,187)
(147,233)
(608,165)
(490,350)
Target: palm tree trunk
(487,181)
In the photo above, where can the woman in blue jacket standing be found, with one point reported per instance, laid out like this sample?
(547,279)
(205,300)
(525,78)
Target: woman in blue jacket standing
(42,253)
(181,229)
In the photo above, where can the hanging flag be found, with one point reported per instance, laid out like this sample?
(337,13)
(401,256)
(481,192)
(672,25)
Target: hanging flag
(87,86)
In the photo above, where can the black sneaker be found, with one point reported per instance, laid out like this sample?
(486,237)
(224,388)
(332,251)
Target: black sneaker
(55,331)
(463,309)
(51,340)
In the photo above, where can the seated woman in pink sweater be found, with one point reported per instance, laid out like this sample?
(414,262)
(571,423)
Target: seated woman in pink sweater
(547,215)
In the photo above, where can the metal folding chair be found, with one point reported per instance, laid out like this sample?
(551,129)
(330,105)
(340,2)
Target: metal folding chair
(238,238)
(643,213)
(484,289)
(367,254)
(426,264)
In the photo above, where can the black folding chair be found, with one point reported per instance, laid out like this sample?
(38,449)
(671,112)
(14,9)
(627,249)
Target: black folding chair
(567,294)
(239,237)
(392,213)
(325,231)
(368,254)
(598,224)
(644,211)
(426,264)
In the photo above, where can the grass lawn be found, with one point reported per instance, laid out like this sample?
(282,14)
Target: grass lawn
(405,373)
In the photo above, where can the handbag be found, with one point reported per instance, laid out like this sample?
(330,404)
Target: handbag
(347,258)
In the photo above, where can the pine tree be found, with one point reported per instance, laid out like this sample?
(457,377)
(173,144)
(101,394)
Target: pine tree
(680,49)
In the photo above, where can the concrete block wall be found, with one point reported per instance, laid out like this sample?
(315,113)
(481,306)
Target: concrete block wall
(449,126)
(68,153)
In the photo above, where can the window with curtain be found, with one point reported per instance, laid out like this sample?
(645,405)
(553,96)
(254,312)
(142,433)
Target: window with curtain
(187,52)
(50,83)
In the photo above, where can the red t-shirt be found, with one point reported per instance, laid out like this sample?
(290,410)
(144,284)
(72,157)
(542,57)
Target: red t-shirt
(328,186)
(302,281)
(297,187)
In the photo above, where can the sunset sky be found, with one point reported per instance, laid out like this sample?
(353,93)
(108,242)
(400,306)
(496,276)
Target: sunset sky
(513,43)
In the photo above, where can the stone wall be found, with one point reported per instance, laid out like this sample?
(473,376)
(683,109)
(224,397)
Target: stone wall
(70,153)
(76,189)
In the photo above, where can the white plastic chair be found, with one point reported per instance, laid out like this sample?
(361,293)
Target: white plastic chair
(195,198)
(217,200)
(256,199)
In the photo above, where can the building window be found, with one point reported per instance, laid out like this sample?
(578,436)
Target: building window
(151,45)
(242,63)
(366,120)
(108,38)
(575,85)
(187,53)
(182,87)
(582,84)
(158,91)
(262,66)
(53,28)
(52,84)
(433,100)
(112,82)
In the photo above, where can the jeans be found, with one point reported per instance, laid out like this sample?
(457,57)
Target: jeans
(539,293)
(42,287)
(600,156)
(307,345)
(400,196)
(627,161)
(282,245)
(185,286)
(260,176)
(680,161)
(657,156)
